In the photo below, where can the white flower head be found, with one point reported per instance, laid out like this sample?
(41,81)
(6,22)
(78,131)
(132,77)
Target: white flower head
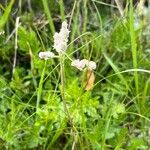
(91,65)
(84,63)
(75,62)
(61,38)
(79,64)
(46,55)
(64,32)
(64,25)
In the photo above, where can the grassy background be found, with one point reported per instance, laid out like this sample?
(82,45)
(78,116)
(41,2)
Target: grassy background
(115,114)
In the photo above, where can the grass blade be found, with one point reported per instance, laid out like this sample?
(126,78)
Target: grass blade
(48,13)
(5,16)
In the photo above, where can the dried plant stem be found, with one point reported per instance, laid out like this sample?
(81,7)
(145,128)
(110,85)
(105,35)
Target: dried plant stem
(120,7)
(16,45)
(74,5)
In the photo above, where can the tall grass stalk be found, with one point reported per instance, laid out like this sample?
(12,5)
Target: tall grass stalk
(72,13)
(75,22)
(85,16)
(16,46)
(120,8)
(133,46)
(39,91)
(62,10)
(48,13)
(107,119)
(4,18)
(99,16)
(32,67)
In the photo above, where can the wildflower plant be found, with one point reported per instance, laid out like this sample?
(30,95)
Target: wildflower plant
(60,45)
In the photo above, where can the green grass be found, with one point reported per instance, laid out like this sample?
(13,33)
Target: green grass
(44,104)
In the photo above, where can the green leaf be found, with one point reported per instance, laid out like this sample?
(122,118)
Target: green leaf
(4,18)
(118,108)
(27,40)
(137,143)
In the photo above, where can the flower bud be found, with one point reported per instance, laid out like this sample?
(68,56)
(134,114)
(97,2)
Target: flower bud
(46,55)
(78,64)
(81,64)
(91,65)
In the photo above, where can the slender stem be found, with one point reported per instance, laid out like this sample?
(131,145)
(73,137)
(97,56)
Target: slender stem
(40,87)
(119,5)
(48,13)
(16,45)
(32,66)
(74,5)
(62,74)
(62,10)
(108,119)
(134,47)
(85,16)
(107,123)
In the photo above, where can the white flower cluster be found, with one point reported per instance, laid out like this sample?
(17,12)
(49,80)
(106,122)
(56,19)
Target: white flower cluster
(84,63)
(46,55)
(60,42)
(61,38)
